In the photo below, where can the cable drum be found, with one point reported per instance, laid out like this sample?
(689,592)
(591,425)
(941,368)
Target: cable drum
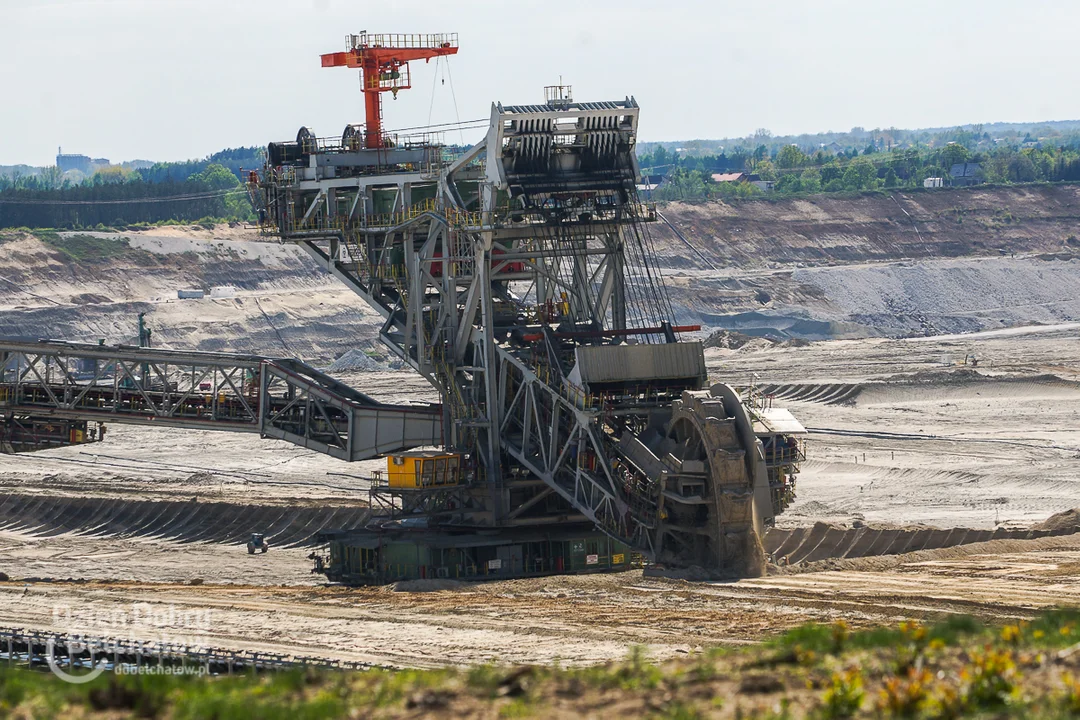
(307,141)
(283,153)
(353,137)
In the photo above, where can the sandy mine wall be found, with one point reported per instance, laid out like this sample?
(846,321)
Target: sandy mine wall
(881,264)
(824,267)
(826,229)
(284,305)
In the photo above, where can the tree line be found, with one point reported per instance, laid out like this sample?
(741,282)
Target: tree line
(793,169)
(118,197)
(235,160)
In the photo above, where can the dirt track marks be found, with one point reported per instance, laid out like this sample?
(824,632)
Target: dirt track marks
(822,541)
(172,520)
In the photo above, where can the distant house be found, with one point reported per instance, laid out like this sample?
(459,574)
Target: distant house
(763,185)
(741,177)
(933,182)
(729,177)
(962,174)
(834,147)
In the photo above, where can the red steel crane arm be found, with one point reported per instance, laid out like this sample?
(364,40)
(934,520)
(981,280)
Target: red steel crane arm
(382,56)
(379,63)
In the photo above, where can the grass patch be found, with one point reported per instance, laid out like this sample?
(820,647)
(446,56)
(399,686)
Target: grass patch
(1052,630)
(85,248)
(833,639)
(956,668)
(635,673)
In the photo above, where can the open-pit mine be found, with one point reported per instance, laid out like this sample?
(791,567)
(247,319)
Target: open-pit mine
(449,407)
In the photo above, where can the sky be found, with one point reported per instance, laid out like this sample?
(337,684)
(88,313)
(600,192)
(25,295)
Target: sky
(179,79)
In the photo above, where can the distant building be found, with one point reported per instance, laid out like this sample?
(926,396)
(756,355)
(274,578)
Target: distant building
(741,177)
(729,177)
(834,147)
(82,163)
(963,174)
(72,162)
(933,182)
(762,185)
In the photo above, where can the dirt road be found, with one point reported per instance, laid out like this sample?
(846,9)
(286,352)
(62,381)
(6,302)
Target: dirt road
(572,620)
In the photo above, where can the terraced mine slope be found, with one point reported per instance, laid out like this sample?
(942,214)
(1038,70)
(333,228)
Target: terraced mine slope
(883,264)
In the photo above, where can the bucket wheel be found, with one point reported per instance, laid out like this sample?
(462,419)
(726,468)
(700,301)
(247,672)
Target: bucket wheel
(707,498)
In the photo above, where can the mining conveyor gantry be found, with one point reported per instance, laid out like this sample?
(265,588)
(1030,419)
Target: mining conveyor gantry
(518,276)
(577,429)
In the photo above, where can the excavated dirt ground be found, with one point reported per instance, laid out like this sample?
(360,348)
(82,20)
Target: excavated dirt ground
(992,448)
(912,451)
(567,619)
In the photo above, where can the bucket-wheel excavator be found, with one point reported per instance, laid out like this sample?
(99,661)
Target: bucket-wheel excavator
(518,276)
(577,430)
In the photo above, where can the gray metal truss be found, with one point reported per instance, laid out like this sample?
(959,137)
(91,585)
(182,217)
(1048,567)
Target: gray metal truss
(275,397)
(442,273)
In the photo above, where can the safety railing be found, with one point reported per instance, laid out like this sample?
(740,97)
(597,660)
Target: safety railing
(457,218)
(430,139)
(464,218)
(792,454)
(578,396)
(400,217)
(317,223)
(394,80)
(282,175)
(404,41)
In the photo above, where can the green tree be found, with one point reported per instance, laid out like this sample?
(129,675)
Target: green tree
(51,178)
(766,170)
(811,180)
(1020,169)
(790,156)
(789,183)
(683,185)
(1043,160)
(217,177)
(114,175)
(860,174)
(829,172)
(954,154)
(660,156)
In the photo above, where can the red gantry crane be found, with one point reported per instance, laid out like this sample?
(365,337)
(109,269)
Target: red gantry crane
(384,63)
